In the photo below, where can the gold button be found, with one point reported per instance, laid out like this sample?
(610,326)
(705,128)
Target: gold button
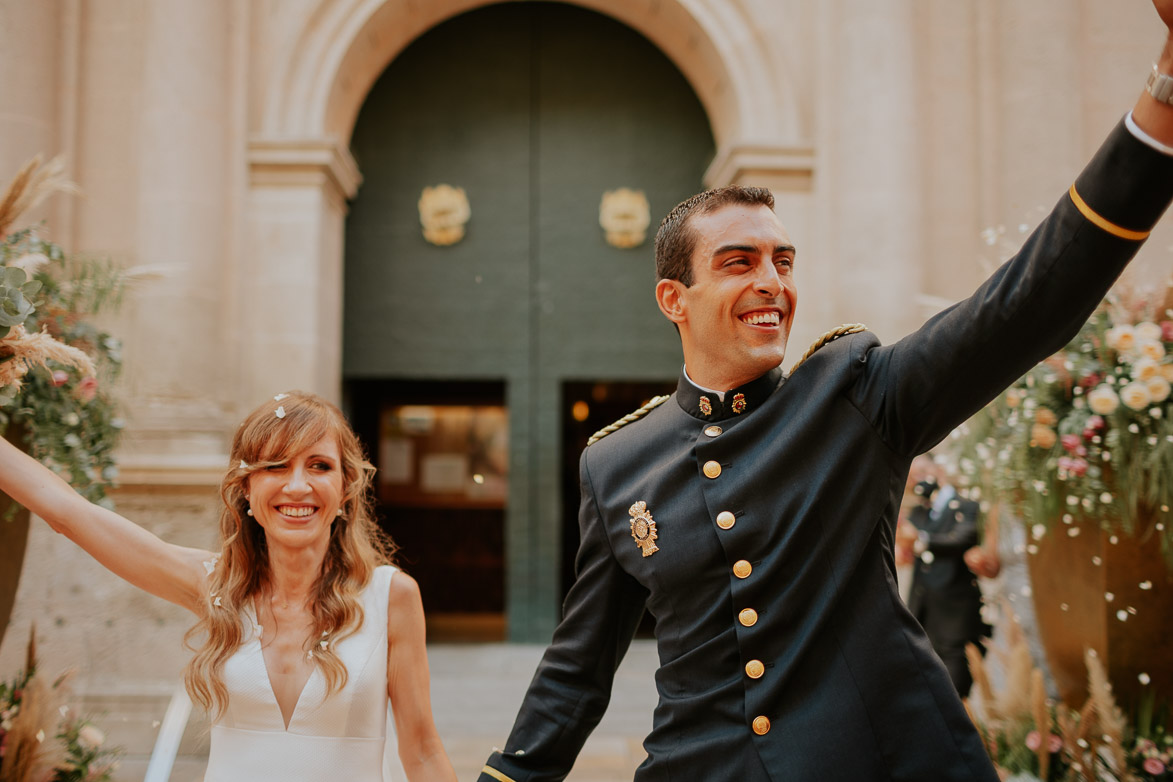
(761,725)
(748,617)
(713,431)
(711,469)
(742,568)
(754,669)
(726,520)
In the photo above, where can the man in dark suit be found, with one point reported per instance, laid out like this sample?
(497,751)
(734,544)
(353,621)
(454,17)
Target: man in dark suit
(945,598)
(753,513)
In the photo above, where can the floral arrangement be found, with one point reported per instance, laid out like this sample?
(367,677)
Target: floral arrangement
(1031,739)
(1086,435)
(56,366)
(29,716)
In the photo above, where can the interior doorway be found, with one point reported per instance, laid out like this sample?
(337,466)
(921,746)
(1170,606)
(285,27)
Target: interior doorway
(442,455)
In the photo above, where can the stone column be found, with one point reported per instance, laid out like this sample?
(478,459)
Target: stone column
(868,163)
(291,276)
(181,354)
(32,82)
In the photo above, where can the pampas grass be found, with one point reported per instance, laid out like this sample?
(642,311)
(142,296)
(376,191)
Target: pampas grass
(1093,738)
(31,186)
(30,753)
(1111,722)
(20,351)
(1042,717)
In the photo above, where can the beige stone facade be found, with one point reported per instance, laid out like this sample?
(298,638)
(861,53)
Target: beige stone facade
(210,138)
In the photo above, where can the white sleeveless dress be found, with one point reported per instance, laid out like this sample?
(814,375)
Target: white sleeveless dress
(341,737)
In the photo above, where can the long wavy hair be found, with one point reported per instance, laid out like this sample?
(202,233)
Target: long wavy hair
(273,433)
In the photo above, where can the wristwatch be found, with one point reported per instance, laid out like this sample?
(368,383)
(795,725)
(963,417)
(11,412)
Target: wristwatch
(1160,86)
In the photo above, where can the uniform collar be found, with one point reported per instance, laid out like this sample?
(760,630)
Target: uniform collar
(706,405)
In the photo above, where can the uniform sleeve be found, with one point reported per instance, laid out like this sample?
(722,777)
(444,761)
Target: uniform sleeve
(917,390)
(572,685)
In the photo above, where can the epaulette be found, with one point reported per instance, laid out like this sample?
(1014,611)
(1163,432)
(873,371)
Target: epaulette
(627,419)
(829,337)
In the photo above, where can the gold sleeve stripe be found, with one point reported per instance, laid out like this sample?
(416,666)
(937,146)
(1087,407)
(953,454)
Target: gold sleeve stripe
(495,774)
(1100,222)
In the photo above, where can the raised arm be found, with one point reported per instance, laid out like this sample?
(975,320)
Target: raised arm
(420,749)
(174,573)
(915,391)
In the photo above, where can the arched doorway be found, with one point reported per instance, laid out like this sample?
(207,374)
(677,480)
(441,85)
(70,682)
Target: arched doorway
(535,110)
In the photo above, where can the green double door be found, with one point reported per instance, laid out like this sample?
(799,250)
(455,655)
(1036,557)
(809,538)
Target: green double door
(534,110)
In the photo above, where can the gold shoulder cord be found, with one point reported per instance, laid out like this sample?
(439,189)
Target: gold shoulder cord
(829,337)
(627,419)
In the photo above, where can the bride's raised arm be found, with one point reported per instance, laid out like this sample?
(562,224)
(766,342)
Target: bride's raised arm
(174,573)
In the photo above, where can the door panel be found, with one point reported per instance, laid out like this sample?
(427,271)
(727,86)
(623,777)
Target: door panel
(535,109)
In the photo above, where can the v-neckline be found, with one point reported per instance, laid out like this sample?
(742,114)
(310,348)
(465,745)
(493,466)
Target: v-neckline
(257,638)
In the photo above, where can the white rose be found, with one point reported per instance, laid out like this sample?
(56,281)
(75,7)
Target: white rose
(1136,396)
(1102,400)
(1122,338)
(1148,331)
(1151,348)
(1145,368)
(1158,388)
(90,737)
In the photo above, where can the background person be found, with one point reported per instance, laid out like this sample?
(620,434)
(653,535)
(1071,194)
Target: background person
(940,530)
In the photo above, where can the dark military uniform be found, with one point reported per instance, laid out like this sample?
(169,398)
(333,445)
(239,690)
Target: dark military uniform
(945,597)
(785,651)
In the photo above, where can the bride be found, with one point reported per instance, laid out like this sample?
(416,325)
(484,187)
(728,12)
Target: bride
(304,630)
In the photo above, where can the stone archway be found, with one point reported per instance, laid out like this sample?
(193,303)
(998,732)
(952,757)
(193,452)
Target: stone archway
(301,172)
(322,78)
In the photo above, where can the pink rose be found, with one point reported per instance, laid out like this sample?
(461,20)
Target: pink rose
(1167,330)
(1154,766)
(87,389)
(60,378)
(1078,467)
(1033,741)
(1070,442)
(1095,423)
(1054,743)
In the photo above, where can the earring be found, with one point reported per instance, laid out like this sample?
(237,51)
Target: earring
(249,511)
(338,512)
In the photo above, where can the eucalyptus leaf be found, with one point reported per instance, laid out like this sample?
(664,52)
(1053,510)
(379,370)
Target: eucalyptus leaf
(15,309)
(14,276)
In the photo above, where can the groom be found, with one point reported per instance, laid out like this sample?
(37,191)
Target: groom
(753,513)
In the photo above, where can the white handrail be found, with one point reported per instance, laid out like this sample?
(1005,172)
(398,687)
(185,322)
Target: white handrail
(170,734)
